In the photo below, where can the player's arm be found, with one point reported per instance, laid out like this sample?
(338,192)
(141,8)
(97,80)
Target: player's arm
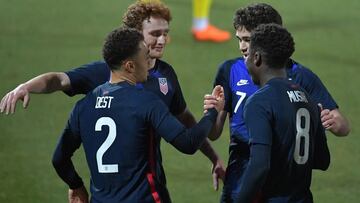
(332,119)
(217,128)
(69,142)
(222,78)
(258,122)
(62,162)
(188,120)
(186,140)
(335,121)
(45,83)
(255,173)
(321,150)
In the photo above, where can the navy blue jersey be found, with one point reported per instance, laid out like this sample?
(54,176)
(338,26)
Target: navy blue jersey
(114,123)
(162,81)
(282,116)
(233,75)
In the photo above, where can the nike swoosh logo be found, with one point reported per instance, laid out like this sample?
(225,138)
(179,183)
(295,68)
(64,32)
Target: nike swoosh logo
(242,82)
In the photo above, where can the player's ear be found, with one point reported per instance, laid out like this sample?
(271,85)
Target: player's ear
(257,59)
(129,66)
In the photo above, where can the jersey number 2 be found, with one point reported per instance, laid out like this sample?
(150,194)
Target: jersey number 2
(106,168)
(302,136)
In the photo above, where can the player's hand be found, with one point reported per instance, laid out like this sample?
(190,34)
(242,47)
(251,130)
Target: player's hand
(327,119)
(218,172)
(215,100)
(79,195)
(8,102)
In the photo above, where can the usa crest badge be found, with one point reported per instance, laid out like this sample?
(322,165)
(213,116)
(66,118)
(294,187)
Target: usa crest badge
(163,85)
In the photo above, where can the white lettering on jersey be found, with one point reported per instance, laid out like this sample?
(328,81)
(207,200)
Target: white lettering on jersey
(103,102)
(297,96)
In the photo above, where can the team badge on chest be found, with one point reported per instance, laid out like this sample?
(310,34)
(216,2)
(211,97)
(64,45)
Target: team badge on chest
(163,85)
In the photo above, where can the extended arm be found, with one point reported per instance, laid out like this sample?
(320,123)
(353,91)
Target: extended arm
(189,140)
(45,83)
(217,128)
(188,120)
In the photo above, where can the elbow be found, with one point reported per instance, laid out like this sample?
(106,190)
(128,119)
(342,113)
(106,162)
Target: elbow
(214,134)
(189,151)
(213,137)
(325,165)
(57,160)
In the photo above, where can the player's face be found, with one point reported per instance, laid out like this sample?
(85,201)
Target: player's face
(155,31)
(142,63)
(243,35)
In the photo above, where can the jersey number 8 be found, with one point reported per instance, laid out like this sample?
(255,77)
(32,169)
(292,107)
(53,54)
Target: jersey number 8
(302,136)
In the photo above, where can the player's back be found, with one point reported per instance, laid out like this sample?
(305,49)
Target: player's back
(117,143)
(295,125)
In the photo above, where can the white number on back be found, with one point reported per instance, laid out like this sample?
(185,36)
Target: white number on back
(302,133)
(106,168)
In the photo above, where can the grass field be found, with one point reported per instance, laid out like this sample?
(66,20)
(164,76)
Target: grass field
(38,36)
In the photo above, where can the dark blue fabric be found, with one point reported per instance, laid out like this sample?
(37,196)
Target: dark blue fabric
(238,86)
(127,113)
(276,118)
(87,77)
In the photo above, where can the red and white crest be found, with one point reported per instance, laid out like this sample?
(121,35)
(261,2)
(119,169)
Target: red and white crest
(163,85)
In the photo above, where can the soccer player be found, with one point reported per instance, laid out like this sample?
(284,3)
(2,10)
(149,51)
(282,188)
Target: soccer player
(286,136)
(233,75)
(114,122)
(152,20)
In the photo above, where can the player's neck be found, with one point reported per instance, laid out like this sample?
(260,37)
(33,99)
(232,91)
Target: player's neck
(121,76)
(272,73)
(152,63)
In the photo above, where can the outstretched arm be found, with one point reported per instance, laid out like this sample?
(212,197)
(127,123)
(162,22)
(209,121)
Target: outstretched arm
(45,83)
(218,169)
(220,120)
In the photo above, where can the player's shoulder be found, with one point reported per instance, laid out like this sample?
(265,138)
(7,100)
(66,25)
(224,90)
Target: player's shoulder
(227,64)
(96,64)
(163,66)
(270,90)
(295,69)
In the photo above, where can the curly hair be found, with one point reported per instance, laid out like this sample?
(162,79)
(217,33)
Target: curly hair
(274,42)
(255,14)
(121,44)
(142,10)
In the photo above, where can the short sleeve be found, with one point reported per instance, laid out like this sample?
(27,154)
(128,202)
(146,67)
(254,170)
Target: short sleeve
(257,116)
(85,78)
(178,103)
(316,89)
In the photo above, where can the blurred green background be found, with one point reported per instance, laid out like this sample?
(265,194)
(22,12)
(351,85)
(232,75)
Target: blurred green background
(38,36)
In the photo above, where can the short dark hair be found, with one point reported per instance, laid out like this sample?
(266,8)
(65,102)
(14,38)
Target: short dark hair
(143,10)
(274,42)
(121,44)
(253,15)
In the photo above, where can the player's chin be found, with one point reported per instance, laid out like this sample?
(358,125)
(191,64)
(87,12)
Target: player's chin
(156,54)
